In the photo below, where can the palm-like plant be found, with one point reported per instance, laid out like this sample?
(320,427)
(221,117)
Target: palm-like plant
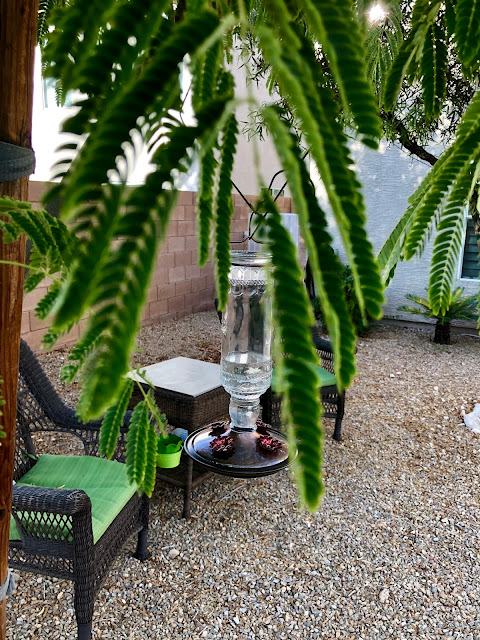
(460,308)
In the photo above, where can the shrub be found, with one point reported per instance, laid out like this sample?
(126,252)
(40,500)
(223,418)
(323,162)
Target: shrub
(459,309)
(361,326)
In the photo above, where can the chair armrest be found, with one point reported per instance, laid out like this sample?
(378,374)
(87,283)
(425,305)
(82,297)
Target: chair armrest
(48,500)
(321,344)
(47,516)
(67,421)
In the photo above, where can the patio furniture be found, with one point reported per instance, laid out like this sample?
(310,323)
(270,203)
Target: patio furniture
(71,515)
(190,394)
(333,402)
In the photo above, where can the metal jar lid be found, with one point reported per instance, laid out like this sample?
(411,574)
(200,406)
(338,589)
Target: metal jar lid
(249,258)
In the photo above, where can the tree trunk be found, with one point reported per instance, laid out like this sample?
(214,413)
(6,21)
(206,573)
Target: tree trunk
(407,142)
(442,333)
(18,27)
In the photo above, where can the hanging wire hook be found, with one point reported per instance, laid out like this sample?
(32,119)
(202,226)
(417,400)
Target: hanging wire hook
(251,234)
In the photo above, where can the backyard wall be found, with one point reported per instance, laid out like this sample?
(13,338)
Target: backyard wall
(389,178)
(178,287)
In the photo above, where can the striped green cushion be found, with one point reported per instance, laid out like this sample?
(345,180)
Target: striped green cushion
(104,481)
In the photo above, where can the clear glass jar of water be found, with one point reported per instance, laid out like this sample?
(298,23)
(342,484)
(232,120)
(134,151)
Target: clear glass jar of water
(246,363)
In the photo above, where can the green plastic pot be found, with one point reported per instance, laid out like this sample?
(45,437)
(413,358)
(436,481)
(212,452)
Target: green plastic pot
(169,451)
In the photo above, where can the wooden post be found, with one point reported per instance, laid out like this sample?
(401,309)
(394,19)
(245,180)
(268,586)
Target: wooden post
(18,31)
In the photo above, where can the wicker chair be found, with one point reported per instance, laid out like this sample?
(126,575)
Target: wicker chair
(54,528)
(332,401)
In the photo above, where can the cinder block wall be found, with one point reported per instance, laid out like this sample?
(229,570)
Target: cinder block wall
(178,287)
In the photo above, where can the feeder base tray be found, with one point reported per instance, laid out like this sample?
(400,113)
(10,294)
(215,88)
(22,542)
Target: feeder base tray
(239,454)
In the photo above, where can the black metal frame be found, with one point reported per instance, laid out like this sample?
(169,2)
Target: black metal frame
(55,525)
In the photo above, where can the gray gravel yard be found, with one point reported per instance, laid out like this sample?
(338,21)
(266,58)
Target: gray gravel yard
(393,552)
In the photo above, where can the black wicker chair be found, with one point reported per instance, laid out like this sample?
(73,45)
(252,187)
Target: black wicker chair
(333,402)
(55,525)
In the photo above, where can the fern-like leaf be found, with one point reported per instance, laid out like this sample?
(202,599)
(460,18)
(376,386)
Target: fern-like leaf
(433,65)
(296,358)
(113,421)
(224,211)
(205,205)
(337,29)
(137,441)
(151,464)
(326,267)
(448,243)
(316,109)
(467,31)
(45,306)
(104,145)
(443,175)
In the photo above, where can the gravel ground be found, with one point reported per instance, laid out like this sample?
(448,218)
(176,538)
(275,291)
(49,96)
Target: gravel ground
(393,552)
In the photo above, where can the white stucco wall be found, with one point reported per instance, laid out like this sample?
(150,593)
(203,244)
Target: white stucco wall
(46,138)
(244,168)
(389,178)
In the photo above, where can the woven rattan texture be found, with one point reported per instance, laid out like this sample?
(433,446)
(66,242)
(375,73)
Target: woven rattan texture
(55,525)
(333,403)
(186,411)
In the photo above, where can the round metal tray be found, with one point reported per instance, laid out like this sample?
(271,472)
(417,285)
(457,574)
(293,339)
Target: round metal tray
(248,460)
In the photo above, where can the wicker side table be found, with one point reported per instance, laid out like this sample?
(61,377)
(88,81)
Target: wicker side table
(190,394)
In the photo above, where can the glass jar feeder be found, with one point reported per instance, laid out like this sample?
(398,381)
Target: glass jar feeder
(245,447)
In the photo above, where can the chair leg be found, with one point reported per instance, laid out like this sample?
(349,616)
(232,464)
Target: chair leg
(141,552)
(337,432)
(187,491)
(85,631)
(84,598)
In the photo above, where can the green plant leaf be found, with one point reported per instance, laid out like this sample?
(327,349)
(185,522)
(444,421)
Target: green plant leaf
(337,29)
(467,31)
(113,421)
(138,444)
(326,267)
(296,358)
(448,243)
(224,211)
(434,65)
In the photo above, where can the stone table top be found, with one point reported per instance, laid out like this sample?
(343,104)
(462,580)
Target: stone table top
(182,375)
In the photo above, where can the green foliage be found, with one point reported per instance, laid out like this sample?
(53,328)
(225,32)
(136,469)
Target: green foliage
(433,65)
(53,246)
(141,454)
(137,444)
(336,28)
(316,111)
(125,57)
(458,307)
(112,421)
(295,358)
(467,32)
(224,210)
(347,289)
(441,200)
(326,271)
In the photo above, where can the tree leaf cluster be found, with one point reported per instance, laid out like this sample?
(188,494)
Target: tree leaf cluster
(440,201)
(125,57)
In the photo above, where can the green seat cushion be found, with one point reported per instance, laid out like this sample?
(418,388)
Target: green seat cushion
(326,378)
(104,481)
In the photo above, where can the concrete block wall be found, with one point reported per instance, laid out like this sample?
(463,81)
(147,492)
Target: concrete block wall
(178,286)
